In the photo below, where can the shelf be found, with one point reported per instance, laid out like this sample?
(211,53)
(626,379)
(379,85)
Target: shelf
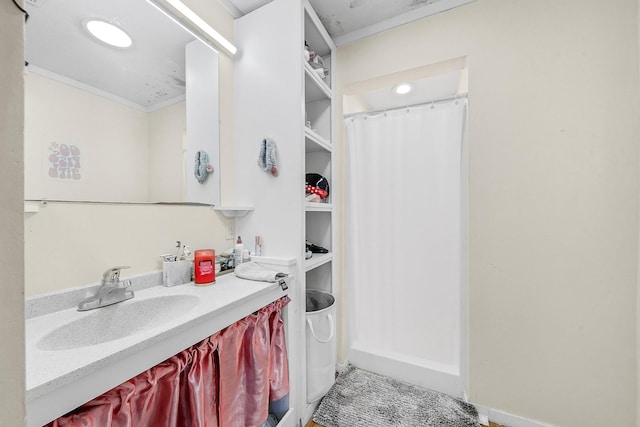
(31,207)
(317,260)
(315,35)
(234,212)
(288,262)
(318,207)
(314,142)
(315,88)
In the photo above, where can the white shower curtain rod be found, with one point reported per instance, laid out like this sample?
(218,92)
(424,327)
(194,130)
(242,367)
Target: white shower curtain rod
(422,104)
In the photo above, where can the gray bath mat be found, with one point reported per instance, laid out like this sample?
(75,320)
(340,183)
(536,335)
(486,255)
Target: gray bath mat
(364,399)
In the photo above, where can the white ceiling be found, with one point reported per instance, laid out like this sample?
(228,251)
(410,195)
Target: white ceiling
(152,71)
(349,20)
(427,89)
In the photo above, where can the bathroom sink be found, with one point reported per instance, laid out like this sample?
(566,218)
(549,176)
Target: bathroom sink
(116,321)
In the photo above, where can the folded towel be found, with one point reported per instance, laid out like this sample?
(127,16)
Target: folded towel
(252,271)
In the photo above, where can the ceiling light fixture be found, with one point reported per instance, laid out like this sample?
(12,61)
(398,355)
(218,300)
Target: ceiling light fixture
(108,33)
(403,88)
(200,23)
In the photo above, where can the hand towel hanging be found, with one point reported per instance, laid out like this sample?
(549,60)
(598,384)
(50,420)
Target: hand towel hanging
(267,159)
(202,167)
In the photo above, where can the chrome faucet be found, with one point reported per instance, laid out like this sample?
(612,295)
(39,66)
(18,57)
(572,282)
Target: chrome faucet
(110,291)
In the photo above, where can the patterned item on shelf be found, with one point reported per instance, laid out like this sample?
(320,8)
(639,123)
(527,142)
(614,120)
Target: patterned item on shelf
(317,184)
(316,249)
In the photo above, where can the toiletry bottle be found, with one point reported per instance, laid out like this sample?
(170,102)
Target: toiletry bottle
(237,252)
(258,250)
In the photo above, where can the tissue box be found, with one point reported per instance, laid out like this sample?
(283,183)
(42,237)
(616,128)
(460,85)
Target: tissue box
(176,273)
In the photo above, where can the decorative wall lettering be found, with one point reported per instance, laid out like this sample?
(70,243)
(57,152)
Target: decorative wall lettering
(64,162)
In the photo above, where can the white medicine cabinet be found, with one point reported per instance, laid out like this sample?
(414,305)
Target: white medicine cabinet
(284,95)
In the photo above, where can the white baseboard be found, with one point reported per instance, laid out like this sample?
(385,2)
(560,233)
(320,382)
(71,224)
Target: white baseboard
(506,419)
(308,411)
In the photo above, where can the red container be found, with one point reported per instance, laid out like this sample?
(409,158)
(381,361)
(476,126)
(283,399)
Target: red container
(204,270)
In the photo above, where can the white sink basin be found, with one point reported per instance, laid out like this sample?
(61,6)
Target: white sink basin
(116,321)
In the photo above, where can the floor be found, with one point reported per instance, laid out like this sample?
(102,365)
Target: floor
(312,424)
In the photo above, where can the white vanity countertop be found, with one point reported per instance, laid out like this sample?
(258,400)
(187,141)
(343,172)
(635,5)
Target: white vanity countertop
(60,372)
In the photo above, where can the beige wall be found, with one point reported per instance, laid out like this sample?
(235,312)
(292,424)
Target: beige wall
(12,406)
(553,197)
(113,140)
(167,131)
(126,154)
(638,282)
(70,245)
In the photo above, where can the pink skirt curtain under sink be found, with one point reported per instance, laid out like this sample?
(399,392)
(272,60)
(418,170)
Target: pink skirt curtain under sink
(226,380)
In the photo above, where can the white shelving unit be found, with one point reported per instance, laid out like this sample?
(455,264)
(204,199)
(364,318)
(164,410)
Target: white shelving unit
(319,139)
(277,93)
(234,212)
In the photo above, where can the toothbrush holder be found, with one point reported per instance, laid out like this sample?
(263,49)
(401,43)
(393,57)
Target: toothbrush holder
(176,272)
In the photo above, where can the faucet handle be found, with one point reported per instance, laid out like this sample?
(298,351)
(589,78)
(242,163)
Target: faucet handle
(112,275)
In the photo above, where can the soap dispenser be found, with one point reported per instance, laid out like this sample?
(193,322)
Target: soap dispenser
(237,252)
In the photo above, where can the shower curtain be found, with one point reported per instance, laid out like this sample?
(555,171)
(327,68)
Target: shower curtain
(403,224)
(238,377)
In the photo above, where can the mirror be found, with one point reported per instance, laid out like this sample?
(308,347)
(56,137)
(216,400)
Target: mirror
(109,124)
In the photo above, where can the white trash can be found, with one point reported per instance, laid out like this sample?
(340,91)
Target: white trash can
(321,343)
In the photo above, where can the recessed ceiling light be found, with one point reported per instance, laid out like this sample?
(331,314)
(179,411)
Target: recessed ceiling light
(108,33)
(403,88)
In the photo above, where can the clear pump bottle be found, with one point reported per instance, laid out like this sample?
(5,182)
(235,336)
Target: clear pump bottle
(237,252)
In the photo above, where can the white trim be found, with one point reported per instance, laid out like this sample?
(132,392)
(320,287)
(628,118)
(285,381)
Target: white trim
(99,92)
(167,102)
(340,367)
(507,419)
(432,375)
(231,8)
(274,261)
(31,207)
(396,21)
(82,86)
(464,270)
